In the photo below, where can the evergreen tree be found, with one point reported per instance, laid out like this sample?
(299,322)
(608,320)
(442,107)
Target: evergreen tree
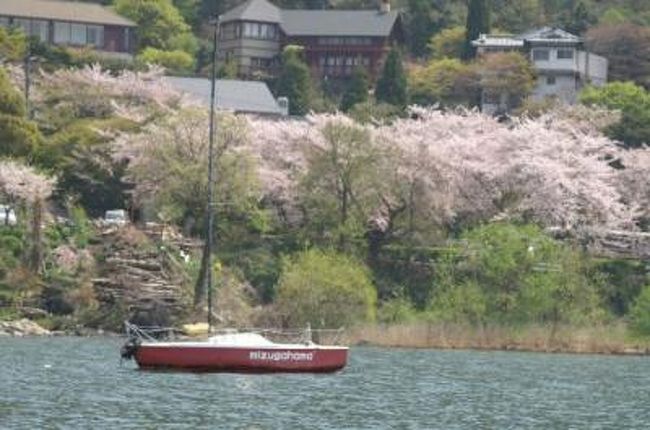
(478,22)
(424,19)
(580,19)
(421,26)
(18,136)
(357,91)
(294,81)
(391,86)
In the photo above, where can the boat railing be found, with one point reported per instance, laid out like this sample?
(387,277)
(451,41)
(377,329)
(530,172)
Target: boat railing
(320,335)
(151,333)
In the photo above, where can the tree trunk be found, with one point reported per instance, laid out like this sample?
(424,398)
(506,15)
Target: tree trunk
(35,259)
(200,289)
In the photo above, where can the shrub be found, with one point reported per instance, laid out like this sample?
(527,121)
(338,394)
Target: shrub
(175,61)
(325,289)
(506,273)
(640,315)
(398,310)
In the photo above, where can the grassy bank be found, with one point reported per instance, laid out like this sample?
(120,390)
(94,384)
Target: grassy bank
(603,339)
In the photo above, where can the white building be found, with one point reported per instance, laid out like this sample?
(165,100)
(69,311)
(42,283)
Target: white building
(563,66)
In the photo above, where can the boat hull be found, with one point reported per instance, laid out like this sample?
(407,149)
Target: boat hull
(241,359)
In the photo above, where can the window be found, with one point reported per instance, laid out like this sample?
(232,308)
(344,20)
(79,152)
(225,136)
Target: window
(344,41)
(95,35)
(260,63)
(40,30)
(540,54)
(22,24)
(4,21)
(270,31)
(550,80)
(78,34)
(254,30)
(565,54)
(61,32)
(34,28)
(127,38)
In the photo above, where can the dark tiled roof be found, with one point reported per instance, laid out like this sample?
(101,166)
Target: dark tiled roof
(316,22)
(63,11)
(338,22)
(253,10)
(233,95)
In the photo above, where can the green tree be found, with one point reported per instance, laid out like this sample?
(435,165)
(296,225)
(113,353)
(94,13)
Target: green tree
(175,61)
(392,85)
(632,101)
(82,158)
(294,81)
(478,22)
(357,91)
(508,77)
(326,290)
(343,181)
(227,69)
(13,44)
(640,314)
(448,82)
(159,22)
(190,10)
(448,43)
(420,25)
(18,136)
(514,274)
(515,16)
(579,19)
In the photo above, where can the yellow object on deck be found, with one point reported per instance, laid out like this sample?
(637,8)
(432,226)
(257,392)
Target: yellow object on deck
(195,329)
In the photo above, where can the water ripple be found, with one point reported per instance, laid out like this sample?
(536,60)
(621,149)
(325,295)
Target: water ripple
(63,383)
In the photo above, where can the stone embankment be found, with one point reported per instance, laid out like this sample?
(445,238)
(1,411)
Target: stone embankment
(140,278)
(22,327)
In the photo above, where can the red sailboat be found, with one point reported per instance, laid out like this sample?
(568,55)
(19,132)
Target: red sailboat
(231,351)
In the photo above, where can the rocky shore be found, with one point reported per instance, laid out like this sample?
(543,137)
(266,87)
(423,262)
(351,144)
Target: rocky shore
(25,327)
(22,327)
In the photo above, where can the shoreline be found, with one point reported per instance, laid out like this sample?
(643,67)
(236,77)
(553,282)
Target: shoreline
(596,340)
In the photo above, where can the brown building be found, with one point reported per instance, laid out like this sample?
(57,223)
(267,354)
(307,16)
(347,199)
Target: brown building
(72,24)
(335,41)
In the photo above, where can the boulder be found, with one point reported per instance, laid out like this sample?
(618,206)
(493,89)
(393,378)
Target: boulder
(22,327)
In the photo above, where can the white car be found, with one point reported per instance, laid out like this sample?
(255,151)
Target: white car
(115,217)
(7,216)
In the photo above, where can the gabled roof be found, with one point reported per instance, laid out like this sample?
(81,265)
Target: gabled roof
(372,23)
(87,13)
(315,22)
(549,34)
(232,95)
(253,10)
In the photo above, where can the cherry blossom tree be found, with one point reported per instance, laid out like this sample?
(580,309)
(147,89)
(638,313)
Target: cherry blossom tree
(464,166)
(21,184)
(94,92)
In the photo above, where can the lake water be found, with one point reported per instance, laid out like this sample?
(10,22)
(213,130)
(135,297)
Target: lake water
(60,383)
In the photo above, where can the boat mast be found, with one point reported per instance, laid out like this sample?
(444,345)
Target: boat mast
(210,223)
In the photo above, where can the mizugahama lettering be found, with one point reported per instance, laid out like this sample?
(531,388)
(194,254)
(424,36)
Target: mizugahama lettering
(281,356)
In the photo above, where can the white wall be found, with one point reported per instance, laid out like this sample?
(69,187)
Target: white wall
(564,87)
(593,68)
